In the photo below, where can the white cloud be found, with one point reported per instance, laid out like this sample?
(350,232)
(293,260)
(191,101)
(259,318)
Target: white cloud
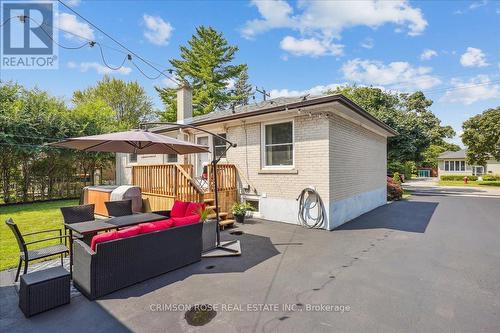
(169,83)
(158,31)
(310,47)
(316,90)
(395,75)
(275,14)
(73,3)
(428,54)
(319,23)
(230,83)
(478,4)
(473,58)
(368,43)
(476,89)
(70,23)
(100,69)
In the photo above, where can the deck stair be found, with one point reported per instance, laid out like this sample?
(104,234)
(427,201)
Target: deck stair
(224,221)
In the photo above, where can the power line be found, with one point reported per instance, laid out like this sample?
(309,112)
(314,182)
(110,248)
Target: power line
(117,42)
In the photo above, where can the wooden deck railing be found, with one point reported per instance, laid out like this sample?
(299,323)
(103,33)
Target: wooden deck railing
(164,183)
(226,177)
(172,180)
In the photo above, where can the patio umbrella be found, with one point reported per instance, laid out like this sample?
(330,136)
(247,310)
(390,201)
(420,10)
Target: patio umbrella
(134,141)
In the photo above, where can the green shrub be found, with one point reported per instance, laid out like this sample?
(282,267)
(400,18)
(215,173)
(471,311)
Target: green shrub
(458,177)
(396,178)
(491,177)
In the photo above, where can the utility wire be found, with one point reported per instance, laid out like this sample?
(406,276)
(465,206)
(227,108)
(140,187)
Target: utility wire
(117,42)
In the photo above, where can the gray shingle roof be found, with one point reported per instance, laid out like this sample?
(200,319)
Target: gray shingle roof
(453,154)
(273,105)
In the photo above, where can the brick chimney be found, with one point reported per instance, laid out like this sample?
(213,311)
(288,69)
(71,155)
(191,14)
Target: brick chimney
(184,102)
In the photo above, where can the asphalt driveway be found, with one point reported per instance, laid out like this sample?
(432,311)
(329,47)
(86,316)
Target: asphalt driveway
(429,264)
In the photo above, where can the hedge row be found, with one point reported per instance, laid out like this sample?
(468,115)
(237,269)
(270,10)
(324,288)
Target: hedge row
(491,177)
(458,177)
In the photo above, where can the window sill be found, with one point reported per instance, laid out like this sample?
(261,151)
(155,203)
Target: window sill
(278,171)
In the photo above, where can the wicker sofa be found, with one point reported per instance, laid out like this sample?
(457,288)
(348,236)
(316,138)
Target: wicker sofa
(123,262)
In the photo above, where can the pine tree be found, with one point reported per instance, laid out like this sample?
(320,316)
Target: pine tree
(206,64)
(242,88)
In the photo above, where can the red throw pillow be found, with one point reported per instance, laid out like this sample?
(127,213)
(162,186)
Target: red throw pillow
(194,208)
(180,221)
(129,232)
(101,238)
(179,208)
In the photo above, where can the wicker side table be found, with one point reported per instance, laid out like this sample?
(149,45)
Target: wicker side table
(43,290)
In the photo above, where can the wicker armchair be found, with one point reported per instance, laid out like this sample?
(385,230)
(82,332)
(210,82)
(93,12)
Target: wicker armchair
(29,255)
(119,208)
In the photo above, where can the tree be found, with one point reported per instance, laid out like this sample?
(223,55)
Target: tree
(408,114)
(206,65)
(242,88)
(481,135)
(128,100)
(431,154)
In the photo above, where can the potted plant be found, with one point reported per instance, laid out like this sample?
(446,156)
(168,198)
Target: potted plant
(209,232)
(239,211)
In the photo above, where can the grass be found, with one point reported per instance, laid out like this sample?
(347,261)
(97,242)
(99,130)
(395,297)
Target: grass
(406,194)
(476,183)
(29,218)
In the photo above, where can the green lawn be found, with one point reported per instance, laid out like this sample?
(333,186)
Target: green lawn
(28,217)
(470,183)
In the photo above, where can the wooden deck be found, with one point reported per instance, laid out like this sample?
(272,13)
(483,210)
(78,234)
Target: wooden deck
(162,184)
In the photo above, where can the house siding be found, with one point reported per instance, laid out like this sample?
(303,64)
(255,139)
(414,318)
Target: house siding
(278,191)
(358,169)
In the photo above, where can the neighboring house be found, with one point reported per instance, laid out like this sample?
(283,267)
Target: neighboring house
(455,163)
(285,145)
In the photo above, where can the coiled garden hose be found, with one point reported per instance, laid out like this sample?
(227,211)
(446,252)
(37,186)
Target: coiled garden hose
(310,200)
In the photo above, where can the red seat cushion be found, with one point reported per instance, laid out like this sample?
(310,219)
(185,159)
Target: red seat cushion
(101,238)
(165,224)
(180,221)
(156,226)
(129,232)
(194,208)
(179,208)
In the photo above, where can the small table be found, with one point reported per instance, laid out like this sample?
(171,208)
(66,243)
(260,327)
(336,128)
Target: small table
(94,226)
(43,290)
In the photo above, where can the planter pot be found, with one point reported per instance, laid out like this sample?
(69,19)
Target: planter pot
(209,235)
(239,218)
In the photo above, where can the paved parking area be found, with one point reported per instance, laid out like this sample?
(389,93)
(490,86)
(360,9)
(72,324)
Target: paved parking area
(429,264)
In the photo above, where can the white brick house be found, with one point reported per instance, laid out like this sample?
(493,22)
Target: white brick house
(287,144)
(455,163)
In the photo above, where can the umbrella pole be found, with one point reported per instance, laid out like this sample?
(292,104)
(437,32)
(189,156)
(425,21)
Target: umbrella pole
(216,196)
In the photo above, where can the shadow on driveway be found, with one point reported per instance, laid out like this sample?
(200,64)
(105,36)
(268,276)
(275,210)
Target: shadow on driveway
(411,216)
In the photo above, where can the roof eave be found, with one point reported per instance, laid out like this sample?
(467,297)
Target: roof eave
(312,102)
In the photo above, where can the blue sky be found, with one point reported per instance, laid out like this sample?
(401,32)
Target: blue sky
(448,49)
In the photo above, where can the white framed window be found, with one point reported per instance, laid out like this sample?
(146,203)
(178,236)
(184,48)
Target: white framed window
(132,158)
(454,165)
(278,145)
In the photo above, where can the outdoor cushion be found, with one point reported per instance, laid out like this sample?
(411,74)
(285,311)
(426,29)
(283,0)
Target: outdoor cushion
(180,221)
(179,208)
(101,238)
(129,232)
(155,226)
(193,208)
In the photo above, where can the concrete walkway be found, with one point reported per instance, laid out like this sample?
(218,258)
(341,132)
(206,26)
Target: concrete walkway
(429,264)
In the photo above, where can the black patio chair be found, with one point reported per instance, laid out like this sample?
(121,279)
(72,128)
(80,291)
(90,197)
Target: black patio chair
(119,208)
(76,214)
(29,255)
